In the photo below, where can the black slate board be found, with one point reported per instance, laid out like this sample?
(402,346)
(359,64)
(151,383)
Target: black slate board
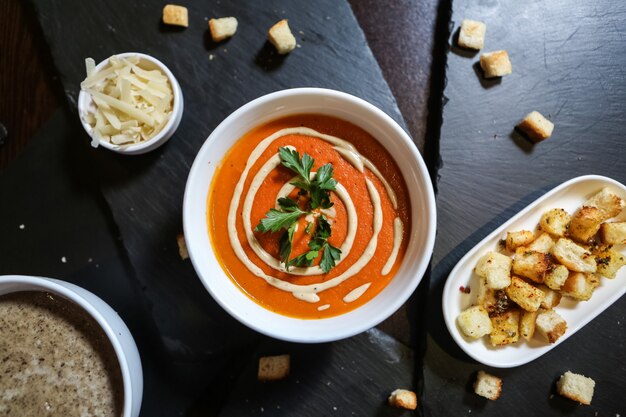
(568,63)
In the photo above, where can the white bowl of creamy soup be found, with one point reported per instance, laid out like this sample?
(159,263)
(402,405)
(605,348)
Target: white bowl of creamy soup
(64,352)
(309,215)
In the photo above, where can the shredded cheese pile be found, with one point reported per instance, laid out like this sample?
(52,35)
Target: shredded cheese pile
(132,103)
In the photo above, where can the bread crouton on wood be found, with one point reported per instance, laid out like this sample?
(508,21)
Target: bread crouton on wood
(555,221)
(524,294)
(505,328)
(550,325)
(580,285)
(531,264)
(613,233)
(576,387)
(273,368)
(474,322)
(496,268)
(488,386)
(519,238)
(536,126)
(573,256)
(609,261)
(403,398)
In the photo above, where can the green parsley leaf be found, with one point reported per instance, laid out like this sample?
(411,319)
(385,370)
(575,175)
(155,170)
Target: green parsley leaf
(330,255)
(286,245)
(287,203)
(291,159)
(276,220)
(324,178)
(308,228)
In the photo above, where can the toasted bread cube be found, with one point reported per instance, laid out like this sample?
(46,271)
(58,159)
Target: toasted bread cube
(281,37)
(182,247)
(175,15)
(488,386)
(222,28)
(495,64)
(580,285)
(536,127)
(609,261)
(531,264)
(550,325)
(576,387)
(403,398)
(474,322)
(551,298)
(505,328)
(485,296)
(555,222)
(556,277)
(574,257)
(520,238)
(613,233)
(273,368)
(587,220)
(525,295)
(542,244)
(472,34)
(527,324)
(496,268)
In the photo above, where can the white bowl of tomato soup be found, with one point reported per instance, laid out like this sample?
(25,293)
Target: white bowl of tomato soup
(309,215)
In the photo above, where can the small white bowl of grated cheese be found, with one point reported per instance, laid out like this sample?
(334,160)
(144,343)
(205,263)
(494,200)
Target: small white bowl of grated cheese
(130,103)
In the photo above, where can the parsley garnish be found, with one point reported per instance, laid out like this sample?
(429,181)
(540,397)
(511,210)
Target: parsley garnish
(318,190)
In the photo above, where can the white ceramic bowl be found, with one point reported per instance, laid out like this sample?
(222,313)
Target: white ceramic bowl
(111,323)
(86,105)
(387,132)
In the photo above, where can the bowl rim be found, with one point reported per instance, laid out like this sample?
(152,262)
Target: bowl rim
(65,289)
(164,134)
(428,197)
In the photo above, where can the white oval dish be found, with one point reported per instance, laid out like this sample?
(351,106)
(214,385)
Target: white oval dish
(86,105)
(110,322)
(570,195)
(389,134)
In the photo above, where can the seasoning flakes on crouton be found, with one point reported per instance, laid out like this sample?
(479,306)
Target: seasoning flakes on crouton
(531,264)
(556,277)
(496,268)
(576,387)
(573,256)
(175,15)
(601,207)
(525,295)
(520,238)
(505,328)
(495,64)
(609,261)
(580,285)
(403,398)
(536,127)
(488,386)
(474,322)
(222,28)
(273,368)
(550,325)
(527,324)
(281,37)
(472,34)
(613,233)
(555,222)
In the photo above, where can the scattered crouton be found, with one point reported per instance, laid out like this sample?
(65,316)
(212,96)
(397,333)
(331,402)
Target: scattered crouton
(182,247)
(273,368)
(281,37)
(488,386)
(556,277)
(495,64)
(403,398)
(496,268)
(576,387)
(474,322)
(609,261)
(524,295)
(527,324)
(555,222)
(222,28)
(519,238)
(175,15)
(601,207)
(580,285)
(550,325)
(573,256)
(536,127)
(551,297)
(531,264)
(472,34)
(613,233)
(542,244)
(505,328)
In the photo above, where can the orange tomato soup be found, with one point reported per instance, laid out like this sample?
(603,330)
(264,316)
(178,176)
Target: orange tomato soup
(330,301)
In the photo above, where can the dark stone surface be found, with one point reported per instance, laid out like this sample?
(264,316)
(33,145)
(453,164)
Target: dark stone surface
(568,65)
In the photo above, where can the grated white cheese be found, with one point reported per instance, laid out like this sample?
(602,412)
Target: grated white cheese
(132,103)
